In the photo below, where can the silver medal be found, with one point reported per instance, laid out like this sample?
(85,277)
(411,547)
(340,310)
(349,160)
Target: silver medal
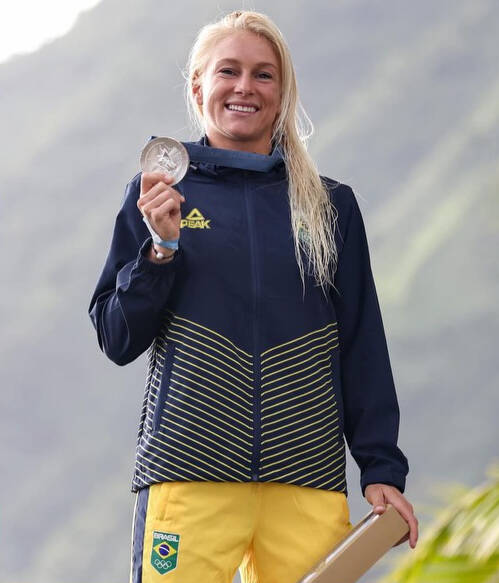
(165,155)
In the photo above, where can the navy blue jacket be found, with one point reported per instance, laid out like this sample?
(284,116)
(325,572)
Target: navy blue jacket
(248,377)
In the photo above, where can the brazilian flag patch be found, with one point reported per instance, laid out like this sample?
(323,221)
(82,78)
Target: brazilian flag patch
(164,553)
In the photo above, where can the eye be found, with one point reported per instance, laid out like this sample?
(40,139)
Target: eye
(264,75)
(227,71)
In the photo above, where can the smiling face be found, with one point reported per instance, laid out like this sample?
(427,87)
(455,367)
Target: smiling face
(240,93)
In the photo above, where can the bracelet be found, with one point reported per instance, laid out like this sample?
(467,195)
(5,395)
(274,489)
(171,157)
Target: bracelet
(160,255)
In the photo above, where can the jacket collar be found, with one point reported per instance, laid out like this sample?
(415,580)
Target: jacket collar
(211,160)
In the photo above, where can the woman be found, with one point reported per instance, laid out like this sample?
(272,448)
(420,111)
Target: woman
(264,336)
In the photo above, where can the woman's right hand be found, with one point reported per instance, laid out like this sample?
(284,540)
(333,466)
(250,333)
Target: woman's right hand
(160,204)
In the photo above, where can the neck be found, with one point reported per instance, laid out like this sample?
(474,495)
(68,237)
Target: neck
(225,144)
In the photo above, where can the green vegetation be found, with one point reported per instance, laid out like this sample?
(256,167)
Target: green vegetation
(462,545)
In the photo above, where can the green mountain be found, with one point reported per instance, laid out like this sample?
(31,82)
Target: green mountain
(405,101)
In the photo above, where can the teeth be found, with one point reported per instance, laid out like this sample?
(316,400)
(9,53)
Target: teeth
(242,108)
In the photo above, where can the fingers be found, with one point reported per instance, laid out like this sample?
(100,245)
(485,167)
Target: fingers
(149,202)
(163,213)
(157,194)
(375,496)
(149,179)
(414,530)
(153,192)
(169,208)
(381,494)
(407,512)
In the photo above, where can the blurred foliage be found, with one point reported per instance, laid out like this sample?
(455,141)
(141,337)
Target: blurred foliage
(462,544)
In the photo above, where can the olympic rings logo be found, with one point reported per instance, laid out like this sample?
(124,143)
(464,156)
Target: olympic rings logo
(162,564)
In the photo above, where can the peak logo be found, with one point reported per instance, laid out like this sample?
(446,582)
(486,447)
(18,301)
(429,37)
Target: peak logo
(195,220)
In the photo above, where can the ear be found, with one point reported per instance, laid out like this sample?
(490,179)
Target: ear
(198,93)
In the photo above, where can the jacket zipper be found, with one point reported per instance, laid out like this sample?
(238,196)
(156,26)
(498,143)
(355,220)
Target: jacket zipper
(255,460)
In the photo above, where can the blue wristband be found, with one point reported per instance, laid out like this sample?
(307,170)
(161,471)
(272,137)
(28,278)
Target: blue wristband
(157,240)
(168,244)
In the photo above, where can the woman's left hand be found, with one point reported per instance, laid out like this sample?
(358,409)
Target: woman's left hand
(380,494)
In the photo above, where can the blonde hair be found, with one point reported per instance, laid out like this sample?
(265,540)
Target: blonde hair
(313,216)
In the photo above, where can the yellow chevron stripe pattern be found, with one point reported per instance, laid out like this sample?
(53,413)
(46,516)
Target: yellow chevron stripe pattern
(197,422)
(301,443)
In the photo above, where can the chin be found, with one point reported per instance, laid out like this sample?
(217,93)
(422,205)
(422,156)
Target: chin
(236,136)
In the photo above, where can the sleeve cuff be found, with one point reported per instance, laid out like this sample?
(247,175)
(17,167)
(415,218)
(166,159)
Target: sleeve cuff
(382,476)
(144,264)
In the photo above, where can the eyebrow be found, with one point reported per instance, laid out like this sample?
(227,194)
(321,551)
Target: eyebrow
(263,64)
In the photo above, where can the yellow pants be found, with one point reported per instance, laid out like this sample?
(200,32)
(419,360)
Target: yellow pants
(202,532)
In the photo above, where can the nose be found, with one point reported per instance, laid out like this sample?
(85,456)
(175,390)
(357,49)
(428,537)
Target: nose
(244,83)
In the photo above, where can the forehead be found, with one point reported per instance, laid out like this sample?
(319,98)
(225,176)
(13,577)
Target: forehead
(245,47)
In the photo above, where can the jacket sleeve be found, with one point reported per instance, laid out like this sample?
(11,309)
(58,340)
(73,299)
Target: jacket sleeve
(371,411)
(129,300)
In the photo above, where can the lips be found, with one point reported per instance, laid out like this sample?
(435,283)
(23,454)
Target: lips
(242,107)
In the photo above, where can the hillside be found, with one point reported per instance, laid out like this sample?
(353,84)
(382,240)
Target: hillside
(405,101)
